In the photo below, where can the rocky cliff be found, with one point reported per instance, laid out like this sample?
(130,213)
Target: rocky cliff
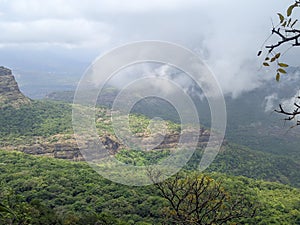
(65,146)
(10,93)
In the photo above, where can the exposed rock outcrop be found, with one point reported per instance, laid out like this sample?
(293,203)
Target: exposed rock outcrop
(68,151)
(10,94)
(62,147)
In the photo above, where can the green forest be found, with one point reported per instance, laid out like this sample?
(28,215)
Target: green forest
(42,190)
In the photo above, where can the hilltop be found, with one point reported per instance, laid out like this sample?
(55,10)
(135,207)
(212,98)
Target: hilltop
(10,94)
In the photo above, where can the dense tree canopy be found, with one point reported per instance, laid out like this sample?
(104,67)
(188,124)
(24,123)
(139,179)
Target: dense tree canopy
(41,190)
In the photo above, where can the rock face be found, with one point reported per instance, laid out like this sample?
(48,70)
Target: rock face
(10,94)
(66,148)
(68,151)
(5,71)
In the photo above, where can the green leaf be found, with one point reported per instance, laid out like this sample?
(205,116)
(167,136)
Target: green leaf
(277,56)
(293,24)
(283,65)
(4,209)
(280,70)
(290,10)
(277,77)
(281,17)
(284,24)
(266,64)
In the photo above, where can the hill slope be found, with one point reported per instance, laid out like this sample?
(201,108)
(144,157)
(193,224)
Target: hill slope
(45,128)
(251,120)
(51,191)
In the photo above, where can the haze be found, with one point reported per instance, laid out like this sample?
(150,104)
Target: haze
(56,40)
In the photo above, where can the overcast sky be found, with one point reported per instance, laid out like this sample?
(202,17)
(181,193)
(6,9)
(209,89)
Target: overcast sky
(226,34)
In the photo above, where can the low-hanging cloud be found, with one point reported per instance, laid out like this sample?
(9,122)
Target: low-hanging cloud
(270,102)
(225,34)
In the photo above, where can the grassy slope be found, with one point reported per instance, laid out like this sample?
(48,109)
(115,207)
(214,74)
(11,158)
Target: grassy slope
(248,123)
(71,191)
(45,118)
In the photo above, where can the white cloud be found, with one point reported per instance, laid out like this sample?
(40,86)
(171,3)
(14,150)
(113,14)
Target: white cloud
(288,104)
(226,34)
(270,102)
(67,33)
(66,8)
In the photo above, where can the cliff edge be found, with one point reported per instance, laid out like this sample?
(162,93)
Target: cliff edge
(10,94)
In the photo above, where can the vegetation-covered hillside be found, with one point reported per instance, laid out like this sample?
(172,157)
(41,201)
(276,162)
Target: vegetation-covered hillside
(44,191)
(45,128)
(39,190)
(251,121)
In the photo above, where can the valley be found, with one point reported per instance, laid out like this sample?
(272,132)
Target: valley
(45,178)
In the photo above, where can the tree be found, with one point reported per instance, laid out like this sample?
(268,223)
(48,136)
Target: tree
(287,36)
(198,199)
(5,210)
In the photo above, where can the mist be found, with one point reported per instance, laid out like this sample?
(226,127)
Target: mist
(68,34)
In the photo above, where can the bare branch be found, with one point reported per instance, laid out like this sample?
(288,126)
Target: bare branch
(291,114)
(198,199)
(284,38)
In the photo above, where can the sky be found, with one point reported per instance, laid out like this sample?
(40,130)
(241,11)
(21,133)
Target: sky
(61,38)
